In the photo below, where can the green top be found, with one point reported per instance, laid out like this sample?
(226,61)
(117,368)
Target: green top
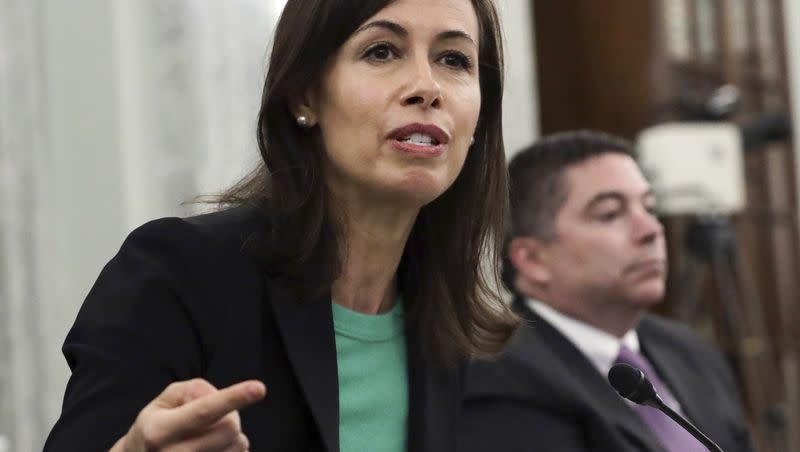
(373,382)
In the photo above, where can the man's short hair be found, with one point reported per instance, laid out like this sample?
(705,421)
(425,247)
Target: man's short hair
(536,182)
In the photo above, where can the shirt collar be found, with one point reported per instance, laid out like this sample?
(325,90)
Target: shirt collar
(600,347)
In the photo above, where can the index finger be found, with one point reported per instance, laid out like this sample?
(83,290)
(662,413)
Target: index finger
(201,413)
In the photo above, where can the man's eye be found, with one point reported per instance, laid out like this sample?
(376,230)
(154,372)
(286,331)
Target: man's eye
(607,217)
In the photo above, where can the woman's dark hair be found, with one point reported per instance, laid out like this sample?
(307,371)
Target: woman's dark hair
(449,295)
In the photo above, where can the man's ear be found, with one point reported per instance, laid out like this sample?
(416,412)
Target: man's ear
(304,104)
(529,257)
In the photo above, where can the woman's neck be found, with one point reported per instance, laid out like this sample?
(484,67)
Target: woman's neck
(374,241)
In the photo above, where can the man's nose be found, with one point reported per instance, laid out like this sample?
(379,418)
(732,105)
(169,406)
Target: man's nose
(648,228)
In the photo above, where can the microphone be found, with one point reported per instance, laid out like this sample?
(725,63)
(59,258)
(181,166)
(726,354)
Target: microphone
(632,384)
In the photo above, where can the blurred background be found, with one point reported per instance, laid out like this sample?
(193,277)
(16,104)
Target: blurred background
(114,112)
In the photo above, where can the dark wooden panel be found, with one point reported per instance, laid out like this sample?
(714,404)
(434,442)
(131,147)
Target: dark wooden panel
(595,65)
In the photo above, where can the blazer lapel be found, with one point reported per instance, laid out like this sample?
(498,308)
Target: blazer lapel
(675,374)
(565,362)
(307,332)
(434,397)
(708,406)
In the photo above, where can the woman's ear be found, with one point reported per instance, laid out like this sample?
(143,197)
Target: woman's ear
(303,107)
(529,257)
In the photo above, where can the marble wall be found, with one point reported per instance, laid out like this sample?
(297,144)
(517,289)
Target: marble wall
(113,112)
(22,148)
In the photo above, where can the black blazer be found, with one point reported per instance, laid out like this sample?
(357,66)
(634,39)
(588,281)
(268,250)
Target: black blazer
(185,298)
(545,395)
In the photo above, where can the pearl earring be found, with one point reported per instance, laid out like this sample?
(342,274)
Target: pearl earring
(472,141)
(303,121)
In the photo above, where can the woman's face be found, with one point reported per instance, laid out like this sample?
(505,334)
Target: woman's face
(398,103)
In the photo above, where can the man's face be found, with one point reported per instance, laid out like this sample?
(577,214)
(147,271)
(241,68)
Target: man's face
(609,247)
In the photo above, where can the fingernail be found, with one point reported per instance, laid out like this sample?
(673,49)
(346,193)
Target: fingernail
(255,391)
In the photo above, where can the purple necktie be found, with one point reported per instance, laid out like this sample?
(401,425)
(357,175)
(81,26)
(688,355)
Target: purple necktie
(671,435)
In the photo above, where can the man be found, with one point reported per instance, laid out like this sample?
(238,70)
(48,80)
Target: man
(586,258)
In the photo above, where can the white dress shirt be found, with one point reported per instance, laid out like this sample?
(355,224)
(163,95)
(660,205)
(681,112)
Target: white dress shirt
(600,347)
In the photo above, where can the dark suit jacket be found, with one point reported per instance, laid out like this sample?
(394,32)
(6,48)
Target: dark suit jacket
(545,395)
(185,298)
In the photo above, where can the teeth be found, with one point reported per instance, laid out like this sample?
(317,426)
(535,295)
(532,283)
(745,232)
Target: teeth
(420,139)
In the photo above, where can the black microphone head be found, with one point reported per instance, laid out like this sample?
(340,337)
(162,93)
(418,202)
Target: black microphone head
(631,383)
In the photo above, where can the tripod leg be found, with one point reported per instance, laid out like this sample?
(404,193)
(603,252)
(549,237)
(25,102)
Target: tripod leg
(744,323)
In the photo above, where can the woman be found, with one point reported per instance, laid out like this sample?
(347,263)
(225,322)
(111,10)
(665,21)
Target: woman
(345,273)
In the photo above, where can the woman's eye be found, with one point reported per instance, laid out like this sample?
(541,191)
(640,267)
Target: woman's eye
(380,52)
(457,60)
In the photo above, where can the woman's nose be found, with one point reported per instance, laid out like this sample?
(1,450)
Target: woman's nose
(423,89)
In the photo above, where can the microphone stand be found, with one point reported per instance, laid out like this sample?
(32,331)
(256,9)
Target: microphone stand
(659,404)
